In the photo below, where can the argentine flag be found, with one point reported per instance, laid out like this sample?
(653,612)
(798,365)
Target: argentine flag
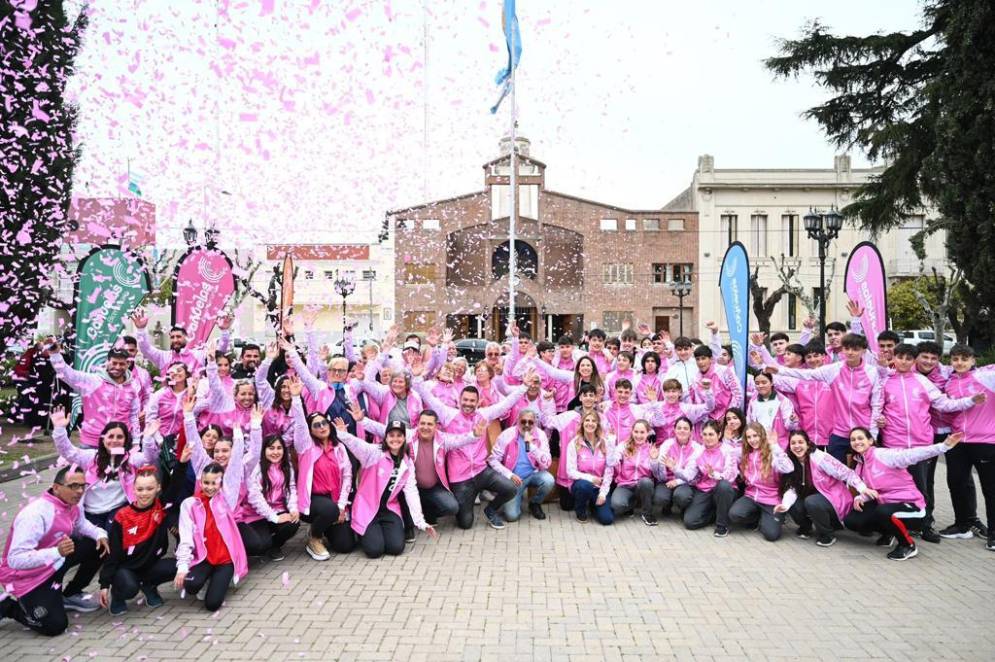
(513,40)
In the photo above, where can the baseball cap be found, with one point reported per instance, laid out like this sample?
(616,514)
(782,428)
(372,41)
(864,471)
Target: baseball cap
(398,426)
(411,344)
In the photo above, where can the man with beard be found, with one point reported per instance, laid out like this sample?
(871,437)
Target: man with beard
(178,350)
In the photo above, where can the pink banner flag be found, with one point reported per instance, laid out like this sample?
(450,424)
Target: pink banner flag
(202,283)
(865,284)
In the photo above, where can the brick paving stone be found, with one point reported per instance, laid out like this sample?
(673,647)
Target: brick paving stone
(559,590)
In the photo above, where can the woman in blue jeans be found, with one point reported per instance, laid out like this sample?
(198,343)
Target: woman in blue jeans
(589,470)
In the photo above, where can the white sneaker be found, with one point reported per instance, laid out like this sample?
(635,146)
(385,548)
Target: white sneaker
(316,548)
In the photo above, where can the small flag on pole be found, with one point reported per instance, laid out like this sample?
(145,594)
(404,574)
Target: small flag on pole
(513,40)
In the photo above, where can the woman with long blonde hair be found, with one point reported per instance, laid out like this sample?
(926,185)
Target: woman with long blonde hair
(589,468)
(634,479)
(761,465)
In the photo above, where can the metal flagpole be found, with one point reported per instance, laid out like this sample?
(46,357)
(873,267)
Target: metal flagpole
(513,215)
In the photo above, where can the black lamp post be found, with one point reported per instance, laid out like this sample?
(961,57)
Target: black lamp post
(823,228)
(680,289)
(344,287)
(190,234)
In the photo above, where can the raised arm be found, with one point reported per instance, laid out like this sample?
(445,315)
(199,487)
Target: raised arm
(302,434)
(430,401)
(219,398)
(263,389)
(231,482)
(368,454)
(543,368)
(311,383)
(159,357)
(65,447)
(939,401)
(825,374)
(83,382)
(501,408)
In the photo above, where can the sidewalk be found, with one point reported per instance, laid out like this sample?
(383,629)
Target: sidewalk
(24,449)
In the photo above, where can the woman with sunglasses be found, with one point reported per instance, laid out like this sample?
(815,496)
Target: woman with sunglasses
(324,479)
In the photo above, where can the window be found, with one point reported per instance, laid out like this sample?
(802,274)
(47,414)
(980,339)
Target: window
(617,274)
(526,260)
(729,223)
(609,225)
(666,273)
(792,312)
(329,275)
(403,225)
(611,320)
(369,274)
(419,274)
(758,235)
(630,224)
(651,224)
(308,274)
(430,224)
(790,227)
(675,225)
(528,200)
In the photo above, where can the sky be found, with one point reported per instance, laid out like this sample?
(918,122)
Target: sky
(306,120)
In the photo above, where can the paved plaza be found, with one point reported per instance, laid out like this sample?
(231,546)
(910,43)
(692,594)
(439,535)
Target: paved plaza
(560,590)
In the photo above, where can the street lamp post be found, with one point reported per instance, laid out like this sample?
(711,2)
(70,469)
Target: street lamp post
(823,228)
(370,276)
(344,287)
(680,289)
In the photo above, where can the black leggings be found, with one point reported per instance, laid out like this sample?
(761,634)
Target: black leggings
(384,535)
(42,609)
(887,518)
(262,535)
(126,583)
(217,578)
(323,518)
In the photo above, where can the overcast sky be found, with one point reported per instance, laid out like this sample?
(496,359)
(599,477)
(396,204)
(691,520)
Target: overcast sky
(318,116)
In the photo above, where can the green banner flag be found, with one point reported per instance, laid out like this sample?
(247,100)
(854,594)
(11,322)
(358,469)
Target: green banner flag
(110,284)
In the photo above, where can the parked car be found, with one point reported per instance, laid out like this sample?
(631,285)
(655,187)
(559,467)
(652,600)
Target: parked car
(917,336)
(471,349)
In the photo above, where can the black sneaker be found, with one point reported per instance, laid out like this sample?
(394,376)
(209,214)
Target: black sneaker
(537,511)
(409,535)
(991,542)
(493,518)
(929,534)
(826,541)
(721,531)
(804,532)
(957,532)
(276,554)
(649,520)
(152,597)
(582,518)
(903,552)
(753,527)
(885,540)
(979,529)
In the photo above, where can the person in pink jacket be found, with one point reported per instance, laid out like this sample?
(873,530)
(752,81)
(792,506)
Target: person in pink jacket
(898,499)
(166,404)
(521,454)
(675,454)
(178,343)
(771,410)
(589,457)
(711,472)
(855,386)
(111,395)
(623,370)
(566,424)
(267,516)
(226,408)
(977,427)
(813,400)
(386,471)
(324,480)
(910,400)
(143,380)
(48,537)
(638,462)
(650,380)
(733,427)
(817,492)
(762,463)
(728,392)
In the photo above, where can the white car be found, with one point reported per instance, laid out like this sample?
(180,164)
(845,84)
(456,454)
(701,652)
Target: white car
(920,335)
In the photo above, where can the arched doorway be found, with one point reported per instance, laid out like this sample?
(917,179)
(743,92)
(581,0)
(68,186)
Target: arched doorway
(526,315)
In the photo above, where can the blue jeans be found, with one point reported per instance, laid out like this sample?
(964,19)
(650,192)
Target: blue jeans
(541,480)
(586,496)
(838,447)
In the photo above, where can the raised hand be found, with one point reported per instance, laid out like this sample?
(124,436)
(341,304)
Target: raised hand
(433,336)
(272,351)
(447,336)
(287,326)
(854,308)
(225,321)
(295,385)
(356,411)
(758,338)
(256,417)
(712,326)
(59,418)
(309,317)
(651,394)
(189,400)
(285,345)
(324,353)
(340,424)
(211,349)
(140,318)
(643,329)
(809,322)
(513,330)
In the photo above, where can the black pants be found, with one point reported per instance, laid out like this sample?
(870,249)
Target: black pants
(126,583)
(42,609)
(217,578)
(747,512)
(816,511)
(435,502)
(262,535)
(706,506)
(566,497)
(466,492)
(887,518)
(384,535)
(682,496)
(924,474)
(961,459)
(323,518)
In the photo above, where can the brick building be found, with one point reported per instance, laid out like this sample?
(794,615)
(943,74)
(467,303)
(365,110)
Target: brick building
(581,264)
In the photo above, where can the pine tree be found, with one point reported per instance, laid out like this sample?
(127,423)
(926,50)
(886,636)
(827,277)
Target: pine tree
(38,48)
(923,101)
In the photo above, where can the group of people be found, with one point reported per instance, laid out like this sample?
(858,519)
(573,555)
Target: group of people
(228,460)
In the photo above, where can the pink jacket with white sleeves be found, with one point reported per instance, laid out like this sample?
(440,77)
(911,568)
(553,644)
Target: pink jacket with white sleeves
(709,466)
(856,393)
(909,398)
(504,455)
(588,464)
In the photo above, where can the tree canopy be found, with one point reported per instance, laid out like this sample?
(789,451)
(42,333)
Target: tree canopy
(921,102)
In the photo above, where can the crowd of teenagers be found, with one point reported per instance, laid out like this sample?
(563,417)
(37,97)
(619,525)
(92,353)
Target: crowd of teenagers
(228,460)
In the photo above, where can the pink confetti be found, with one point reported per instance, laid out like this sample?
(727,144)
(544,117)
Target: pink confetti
(266,7)
(286,577)
(353,14)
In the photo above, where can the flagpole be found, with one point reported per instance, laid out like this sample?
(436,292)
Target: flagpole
(513,216)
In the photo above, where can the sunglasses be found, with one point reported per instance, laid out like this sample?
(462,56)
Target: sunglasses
(527,424)
(338,371)
(75,487)
(320,424)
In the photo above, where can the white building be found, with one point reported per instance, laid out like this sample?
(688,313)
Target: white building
(369,266)
(764,209)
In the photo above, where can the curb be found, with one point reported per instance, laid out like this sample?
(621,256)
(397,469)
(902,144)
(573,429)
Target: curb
(8,474)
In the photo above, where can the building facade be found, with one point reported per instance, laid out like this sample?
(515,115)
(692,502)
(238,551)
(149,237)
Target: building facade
(764,209)
(581,264)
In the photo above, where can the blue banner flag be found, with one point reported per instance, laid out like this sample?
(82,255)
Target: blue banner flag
(513,41)
(734,283)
